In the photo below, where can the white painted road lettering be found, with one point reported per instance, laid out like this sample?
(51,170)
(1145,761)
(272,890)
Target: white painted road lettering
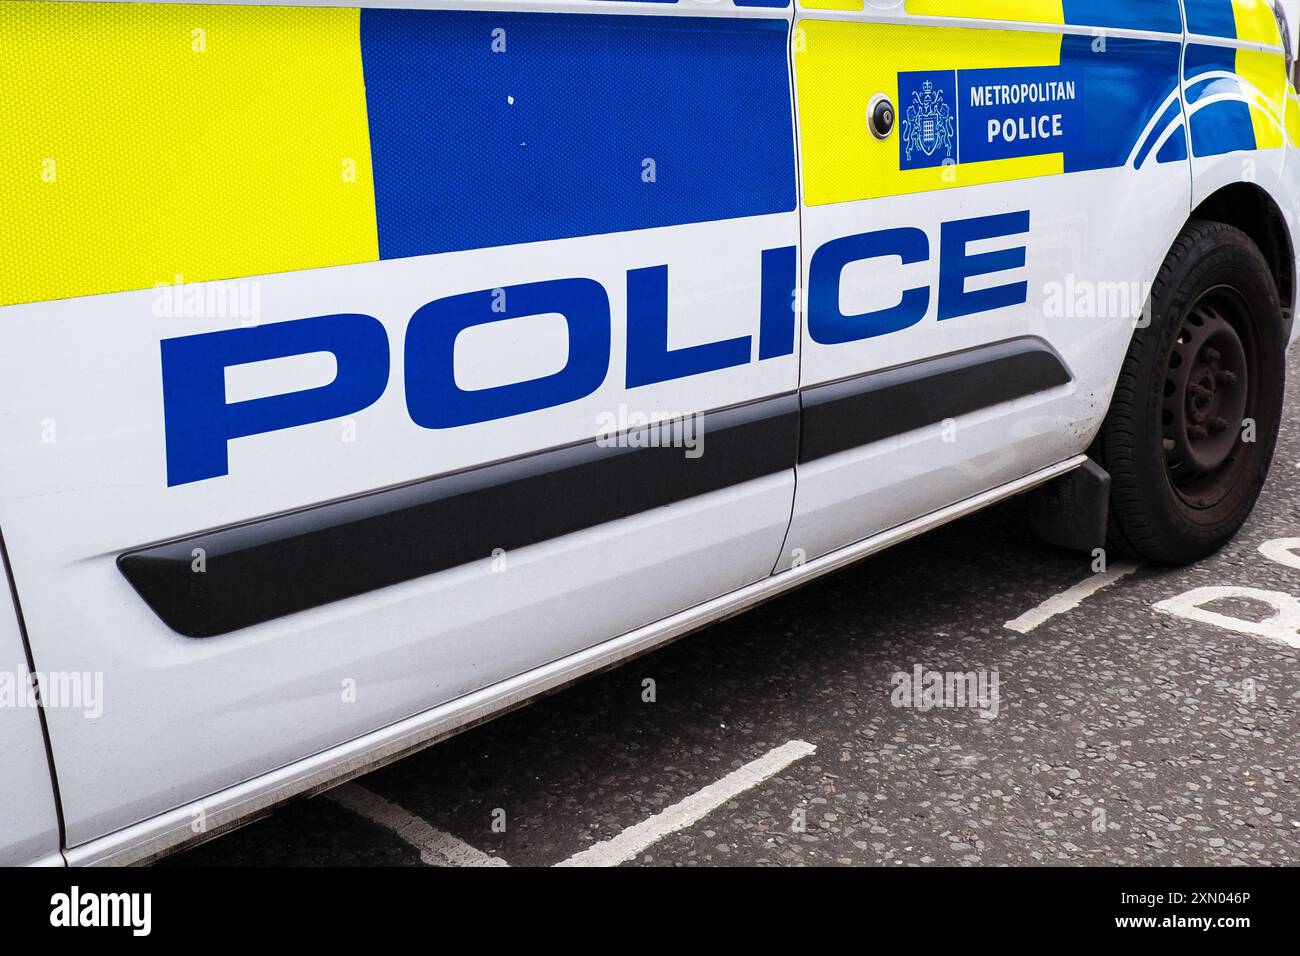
(1282,551)
(1283,626)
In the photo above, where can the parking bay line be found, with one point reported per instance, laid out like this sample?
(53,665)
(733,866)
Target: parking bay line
(436,847)
(632,841)
(1070,599)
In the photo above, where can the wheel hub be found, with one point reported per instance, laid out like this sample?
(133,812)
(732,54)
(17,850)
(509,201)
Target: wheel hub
(1205,398)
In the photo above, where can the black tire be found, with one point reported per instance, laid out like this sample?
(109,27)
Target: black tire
(1215,320)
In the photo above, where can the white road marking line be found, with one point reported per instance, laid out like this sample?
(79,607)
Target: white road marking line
(436,847)
(1069,600)
(628,844)
(1283,626)
(1283,551)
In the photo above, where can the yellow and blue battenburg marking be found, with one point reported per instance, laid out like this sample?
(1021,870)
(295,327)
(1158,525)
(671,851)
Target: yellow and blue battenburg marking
(978,106)
(1153,16)
(147,141)
(1249,20)
(1236,99)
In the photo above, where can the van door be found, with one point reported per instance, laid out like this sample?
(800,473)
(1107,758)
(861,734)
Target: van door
(338,345)
(29,823)
(973,273)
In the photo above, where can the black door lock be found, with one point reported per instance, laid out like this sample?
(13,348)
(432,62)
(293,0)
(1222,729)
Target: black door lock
(881,116)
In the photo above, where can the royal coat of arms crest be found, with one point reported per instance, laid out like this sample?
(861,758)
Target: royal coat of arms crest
(928,126)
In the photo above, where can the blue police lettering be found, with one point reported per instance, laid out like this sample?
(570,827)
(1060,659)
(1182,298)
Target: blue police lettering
(199,424)
(827,325)
(433,398)
(778,309)
(958,265)
(649,360)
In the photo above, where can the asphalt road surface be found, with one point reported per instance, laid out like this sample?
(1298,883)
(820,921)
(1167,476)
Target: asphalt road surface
(1116,733)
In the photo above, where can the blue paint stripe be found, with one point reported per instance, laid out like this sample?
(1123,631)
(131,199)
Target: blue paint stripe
(1202,59)
(617,123)
(775,4)
(1175,148)
(1223,127)
(1121,89)
(1157,131)
(1211,18)
(1199,88)
(1153,15)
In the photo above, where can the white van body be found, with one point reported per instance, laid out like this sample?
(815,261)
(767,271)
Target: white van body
(324,327)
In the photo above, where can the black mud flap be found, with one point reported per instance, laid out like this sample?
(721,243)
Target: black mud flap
(1072,511)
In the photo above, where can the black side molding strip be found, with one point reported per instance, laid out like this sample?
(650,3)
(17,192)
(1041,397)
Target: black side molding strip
(277,566)
(870,408)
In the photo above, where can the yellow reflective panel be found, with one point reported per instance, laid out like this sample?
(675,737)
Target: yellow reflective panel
(840,66)
(146,141)
(1255,21)
(1267,73)
(1025,11)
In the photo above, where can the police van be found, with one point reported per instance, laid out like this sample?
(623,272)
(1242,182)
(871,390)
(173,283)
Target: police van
(368,369)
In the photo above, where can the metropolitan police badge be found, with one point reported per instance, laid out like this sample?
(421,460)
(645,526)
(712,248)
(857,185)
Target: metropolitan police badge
(928,127)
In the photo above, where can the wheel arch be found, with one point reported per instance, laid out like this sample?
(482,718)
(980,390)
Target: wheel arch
(1250,208)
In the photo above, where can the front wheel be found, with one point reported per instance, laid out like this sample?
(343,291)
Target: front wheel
(1190,434)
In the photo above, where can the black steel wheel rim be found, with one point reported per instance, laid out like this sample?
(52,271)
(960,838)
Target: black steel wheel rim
(1208,399)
